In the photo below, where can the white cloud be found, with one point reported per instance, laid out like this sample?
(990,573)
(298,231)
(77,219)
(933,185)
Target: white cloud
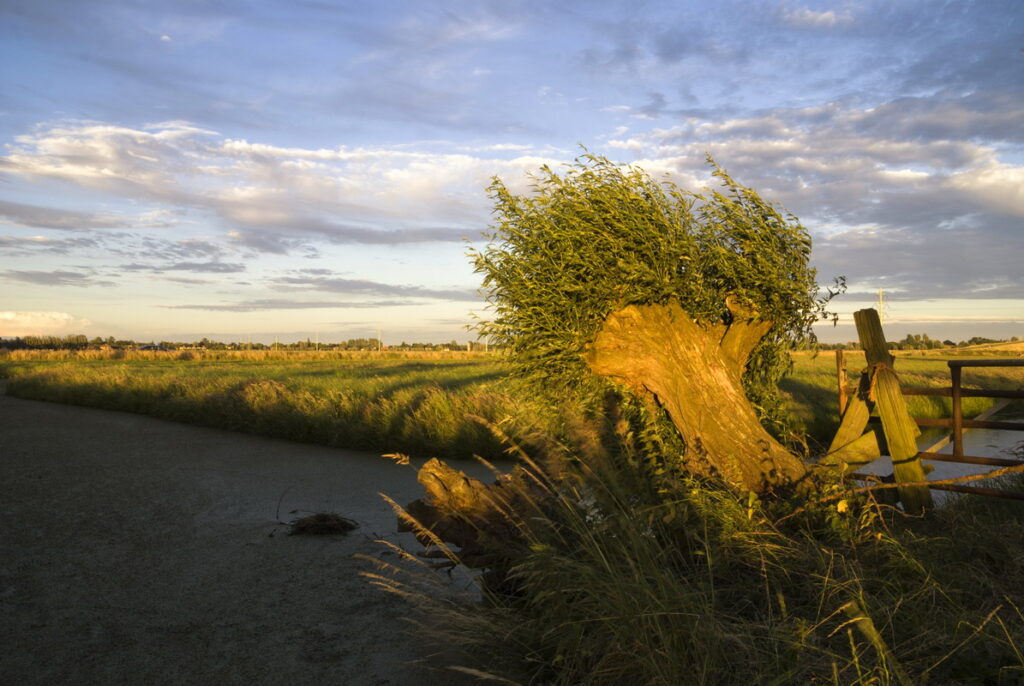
(806,18)
(999,186)
(342,193)
(40,324)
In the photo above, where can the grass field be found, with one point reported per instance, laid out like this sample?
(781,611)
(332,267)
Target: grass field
(619,583)
(423,404)
(419,405)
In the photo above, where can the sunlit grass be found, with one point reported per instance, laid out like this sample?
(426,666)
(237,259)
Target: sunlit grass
(421,403)
(417,405)
(623,577)
(627,578)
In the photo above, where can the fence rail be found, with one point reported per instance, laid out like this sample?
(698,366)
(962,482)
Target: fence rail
(957,423)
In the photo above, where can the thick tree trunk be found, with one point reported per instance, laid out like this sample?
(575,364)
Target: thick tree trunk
(694,371)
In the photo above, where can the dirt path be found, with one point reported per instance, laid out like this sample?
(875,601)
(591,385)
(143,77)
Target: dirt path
(137,551)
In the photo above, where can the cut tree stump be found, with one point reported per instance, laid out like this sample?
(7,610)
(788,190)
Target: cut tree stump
(694,371)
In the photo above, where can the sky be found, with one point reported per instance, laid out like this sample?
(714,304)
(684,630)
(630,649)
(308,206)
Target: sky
(297,168)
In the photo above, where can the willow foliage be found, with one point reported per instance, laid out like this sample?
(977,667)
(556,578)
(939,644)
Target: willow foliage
(599,237)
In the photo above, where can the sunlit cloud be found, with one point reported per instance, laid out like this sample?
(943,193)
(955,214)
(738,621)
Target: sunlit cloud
(272,195)
(14,324)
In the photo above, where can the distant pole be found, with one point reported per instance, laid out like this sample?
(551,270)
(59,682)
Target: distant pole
(318,341)
(881,306)
(380,341)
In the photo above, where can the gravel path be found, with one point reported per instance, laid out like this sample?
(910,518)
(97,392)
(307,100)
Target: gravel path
(138,551)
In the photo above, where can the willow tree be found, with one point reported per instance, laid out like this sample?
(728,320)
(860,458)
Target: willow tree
(688,302)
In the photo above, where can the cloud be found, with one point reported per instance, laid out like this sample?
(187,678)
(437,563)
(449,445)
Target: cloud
(893,198)
(54,278)
(274,199)
(802,17)
(282,304)
(14,324)
(197,267)
(15,245)
(52,218)
(330,284)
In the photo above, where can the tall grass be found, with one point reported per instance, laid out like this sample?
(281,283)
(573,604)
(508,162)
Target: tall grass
(418,406)
(415,402)
(622,576)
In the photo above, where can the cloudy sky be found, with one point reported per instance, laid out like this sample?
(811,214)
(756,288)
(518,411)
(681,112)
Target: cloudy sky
(294,167)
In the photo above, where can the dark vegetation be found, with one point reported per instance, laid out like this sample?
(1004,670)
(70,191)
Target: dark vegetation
(82,342)
(921,341)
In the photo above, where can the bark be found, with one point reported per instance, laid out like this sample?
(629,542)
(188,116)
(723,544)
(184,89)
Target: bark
(481,519)
(694,372)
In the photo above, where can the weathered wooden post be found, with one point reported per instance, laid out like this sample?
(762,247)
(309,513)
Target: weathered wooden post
(900,430)
(842,378)
(958,414)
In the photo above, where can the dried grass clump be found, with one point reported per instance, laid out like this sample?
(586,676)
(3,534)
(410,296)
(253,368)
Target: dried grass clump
(322,524)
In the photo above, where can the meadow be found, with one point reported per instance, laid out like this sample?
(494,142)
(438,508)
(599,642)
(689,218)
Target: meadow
(415,403)
(615,582)
(423,404)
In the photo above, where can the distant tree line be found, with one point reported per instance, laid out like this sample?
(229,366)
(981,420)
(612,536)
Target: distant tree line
(919,341)
(913,341)
(82,342)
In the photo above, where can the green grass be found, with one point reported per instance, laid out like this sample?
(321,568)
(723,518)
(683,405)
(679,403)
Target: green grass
(421,404)
(416,406)
(622,576)
(629,575)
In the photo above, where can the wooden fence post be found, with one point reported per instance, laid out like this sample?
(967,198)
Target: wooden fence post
(958,414)
(842,379)
(900,429)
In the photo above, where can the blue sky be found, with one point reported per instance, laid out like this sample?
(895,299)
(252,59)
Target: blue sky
(259,169)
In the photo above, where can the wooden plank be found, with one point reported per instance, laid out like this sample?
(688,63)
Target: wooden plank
(946,392)
(855,454)
(958,417)
(971,424)
(979,490)
(901,435)
(985,363)
(943,442)
(900,430)
(852,426)
(872,340)
(971,459)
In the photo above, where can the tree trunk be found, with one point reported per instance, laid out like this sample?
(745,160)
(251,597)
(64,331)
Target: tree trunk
(694,371)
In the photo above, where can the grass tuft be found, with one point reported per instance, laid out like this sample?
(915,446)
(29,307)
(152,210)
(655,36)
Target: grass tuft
(630,577)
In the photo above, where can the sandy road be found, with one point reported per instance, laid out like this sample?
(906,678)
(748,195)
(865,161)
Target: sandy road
(137,551)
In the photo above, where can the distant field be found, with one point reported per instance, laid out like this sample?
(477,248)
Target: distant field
(812,388)
(419,403)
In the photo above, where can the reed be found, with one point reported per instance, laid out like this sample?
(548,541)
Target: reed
(625,576)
